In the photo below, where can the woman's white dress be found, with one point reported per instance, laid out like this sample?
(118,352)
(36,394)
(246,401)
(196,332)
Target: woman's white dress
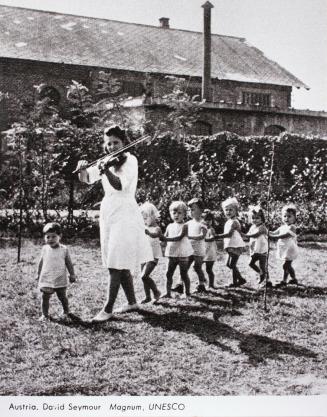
(124,244)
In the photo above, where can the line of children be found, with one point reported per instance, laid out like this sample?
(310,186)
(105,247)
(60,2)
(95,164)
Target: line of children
(187,242)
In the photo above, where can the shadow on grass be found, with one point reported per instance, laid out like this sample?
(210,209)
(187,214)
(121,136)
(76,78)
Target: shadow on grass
(301,291)
(257,348)
(77,322)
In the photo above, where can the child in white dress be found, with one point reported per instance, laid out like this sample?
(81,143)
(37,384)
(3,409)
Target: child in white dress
(153,231)
(52,275)
(179,248)
(258,235)
(196,234)
(287,249)
(210,246)
(233,242)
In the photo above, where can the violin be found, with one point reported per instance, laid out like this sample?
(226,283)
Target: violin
(116,162)
(117,156)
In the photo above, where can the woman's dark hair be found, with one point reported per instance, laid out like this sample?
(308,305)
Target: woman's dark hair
(118,132)
(52,228)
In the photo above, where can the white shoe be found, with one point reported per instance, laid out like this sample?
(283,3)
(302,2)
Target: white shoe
(102,316)
(128,307)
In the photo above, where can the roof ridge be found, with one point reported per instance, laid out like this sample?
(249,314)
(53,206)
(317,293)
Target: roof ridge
(119,21)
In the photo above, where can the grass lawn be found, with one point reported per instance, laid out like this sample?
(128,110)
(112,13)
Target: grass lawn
(220,343)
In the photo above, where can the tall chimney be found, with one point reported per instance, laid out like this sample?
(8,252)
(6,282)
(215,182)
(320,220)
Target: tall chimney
(206,75)
(164,22)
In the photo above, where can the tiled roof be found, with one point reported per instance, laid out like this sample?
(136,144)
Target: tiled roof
(61,38)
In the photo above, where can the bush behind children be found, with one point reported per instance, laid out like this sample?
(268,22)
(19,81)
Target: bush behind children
(187,242)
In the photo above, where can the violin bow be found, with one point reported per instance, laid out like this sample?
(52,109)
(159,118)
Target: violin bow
(115,153)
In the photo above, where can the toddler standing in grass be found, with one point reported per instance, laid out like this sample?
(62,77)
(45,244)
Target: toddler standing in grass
(196,234)
(287,249)
(179,248)
(52,275)
(233,242)
(210,246)
(258,235)
(151,216)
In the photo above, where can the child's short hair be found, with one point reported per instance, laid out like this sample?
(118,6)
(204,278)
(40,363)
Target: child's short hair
(208,215)
(257,211)
(231,201)
(178,205)
(150,210)
(289,208)
(196,201)
(52,228)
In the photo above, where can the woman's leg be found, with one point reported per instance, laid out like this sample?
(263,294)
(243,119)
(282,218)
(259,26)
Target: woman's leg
(113,288)
(128,286)
(211,275)
(172,264)
(61,294)
(183,268)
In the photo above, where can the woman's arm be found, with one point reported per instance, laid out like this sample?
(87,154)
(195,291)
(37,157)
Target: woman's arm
(113,179)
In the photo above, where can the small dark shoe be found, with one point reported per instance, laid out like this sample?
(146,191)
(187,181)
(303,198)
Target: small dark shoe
(146,300)
(293,281)
(179,288)
(201,288)
(281,284)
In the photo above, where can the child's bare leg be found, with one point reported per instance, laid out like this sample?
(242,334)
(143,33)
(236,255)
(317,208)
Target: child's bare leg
(45,304)
(183,267)
(61,294)
(198,261)
(113,288)
(211,275)
(253,265)
(128,286)
(172,264)
(148,282)
(237,277)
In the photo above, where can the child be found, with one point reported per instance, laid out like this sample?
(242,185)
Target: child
(196,234)
(258,235)
(179,248)
(233,242)
(210,246)
(151,216)
(52,266)
(287,248)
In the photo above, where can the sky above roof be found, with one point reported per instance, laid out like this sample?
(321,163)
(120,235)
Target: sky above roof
(290,32)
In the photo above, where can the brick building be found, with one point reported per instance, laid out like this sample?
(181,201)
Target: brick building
(245,92)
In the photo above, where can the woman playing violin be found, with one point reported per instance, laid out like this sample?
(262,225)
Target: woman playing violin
(124,245)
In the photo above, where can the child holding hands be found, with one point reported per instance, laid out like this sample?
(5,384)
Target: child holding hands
(287,249)
(258,235)
(179,248)
(210,246)
(233,242)
(52,276)
(153,231)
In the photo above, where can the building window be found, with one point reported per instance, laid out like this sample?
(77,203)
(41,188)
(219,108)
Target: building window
(274,130)
(256,99)
(201,128)
(132,88)
(51,93)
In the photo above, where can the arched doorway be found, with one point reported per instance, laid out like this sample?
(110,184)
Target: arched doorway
(274,130)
